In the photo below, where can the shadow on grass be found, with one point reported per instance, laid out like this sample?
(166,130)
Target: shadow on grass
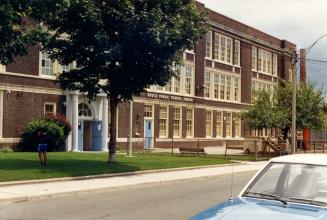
(21,169)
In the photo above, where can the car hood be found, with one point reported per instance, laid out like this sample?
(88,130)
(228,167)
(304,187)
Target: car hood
(250,209)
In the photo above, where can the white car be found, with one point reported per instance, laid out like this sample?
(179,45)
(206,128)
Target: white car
(292,187)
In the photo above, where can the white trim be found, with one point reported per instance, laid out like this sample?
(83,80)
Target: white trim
(26,75)
(31,89)
(9,140)
(1,114)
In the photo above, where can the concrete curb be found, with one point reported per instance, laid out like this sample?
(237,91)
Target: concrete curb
(23,182)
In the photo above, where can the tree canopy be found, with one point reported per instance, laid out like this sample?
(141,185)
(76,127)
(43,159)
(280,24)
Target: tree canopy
(121,46)
(275,110)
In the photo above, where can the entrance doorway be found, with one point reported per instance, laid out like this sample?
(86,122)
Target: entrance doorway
(148,133)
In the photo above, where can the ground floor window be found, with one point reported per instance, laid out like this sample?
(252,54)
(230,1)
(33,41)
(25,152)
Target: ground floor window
(228,124)
(208,123)
(237,126)
(189,122)
(177,128)
(219,124)
(49,109)
(163,122)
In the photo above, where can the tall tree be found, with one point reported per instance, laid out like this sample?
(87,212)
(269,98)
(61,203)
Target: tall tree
(122,46)
(276,111)
(20,25)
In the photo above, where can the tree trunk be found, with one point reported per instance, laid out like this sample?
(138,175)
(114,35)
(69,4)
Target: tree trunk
(112,130)
(285,133)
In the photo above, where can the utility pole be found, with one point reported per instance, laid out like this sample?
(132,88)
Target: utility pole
(303,79)
(130,136)
(293,104)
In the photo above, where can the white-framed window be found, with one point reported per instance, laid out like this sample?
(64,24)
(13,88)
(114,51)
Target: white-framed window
(148,111)
(84,110)
(236,89)
(264,61)
(216,47)
(49,108)
(237,52)
(216,85)
(228,124)
(274,70)
(189,122)
(68,67)
(208,45)
(228,87)
(254,58)
(177,83)
(219,124)
(257,86)
(207,84)
(226,49)
(222,48)
(2,68)
(163,122)
(47,65)
(177,122)
(237,126)
(188,79)
(229,49)
(222,87)
(208,123)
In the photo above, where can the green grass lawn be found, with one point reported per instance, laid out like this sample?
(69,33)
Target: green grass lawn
(25,166)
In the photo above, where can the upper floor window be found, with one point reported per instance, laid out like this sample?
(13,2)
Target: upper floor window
(264,61)
(68,67)
(237,50)
(47,64)
(208,44)
(216,47)
(221,86)
(188,78)
(254,58)
(274,70)
(258,86)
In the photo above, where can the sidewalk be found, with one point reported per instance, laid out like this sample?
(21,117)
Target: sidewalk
(21,192)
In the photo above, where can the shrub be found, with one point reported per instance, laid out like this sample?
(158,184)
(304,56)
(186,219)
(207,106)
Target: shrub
(54,138)
(61,121)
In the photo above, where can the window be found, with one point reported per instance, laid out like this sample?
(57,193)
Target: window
(264,61)
(228,124)
(208,44)
(207,84)
(258,86)
(84,110)
(237,52)
(148,111)
(188,79)
(219,124)
(49,109)
(254,58)
(177,82)
(2,68)
(222,43)
(177,122)
(237,127)
(163,122)
(229,50)
(222,87)
(216,47)
(168,86)
(189,122)
(274,70)
(228,87)
(68,67)
(216,85)
(236,90)
(208,123)
(47,65)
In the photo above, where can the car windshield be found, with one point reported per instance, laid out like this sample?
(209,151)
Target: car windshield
(288,182)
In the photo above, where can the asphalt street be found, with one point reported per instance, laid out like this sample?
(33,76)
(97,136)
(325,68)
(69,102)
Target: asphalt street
(166,200)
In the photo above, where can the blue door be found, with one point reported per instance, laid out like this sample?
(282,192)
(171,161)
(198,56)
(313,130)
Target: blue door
(96,136)
(148,128)
(80,134)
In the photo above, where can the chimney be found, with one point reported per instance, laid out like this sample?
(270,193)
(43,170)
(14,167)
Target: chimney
(303,66)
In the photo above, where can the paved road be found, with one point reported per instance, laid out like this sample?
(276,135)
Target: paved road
(168,200)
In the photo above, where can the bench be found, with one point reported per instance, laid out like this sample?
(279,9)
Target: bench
(191,150)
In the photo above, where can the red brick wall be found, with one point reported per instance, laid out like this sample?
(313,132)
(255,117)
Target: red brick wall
(20,109)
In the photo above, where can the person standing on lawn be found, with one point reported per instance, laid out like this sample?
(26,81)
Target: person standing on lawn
(42,148)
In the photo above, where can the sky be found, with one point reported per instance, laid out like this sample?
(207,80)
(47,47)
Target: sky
(299,21)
